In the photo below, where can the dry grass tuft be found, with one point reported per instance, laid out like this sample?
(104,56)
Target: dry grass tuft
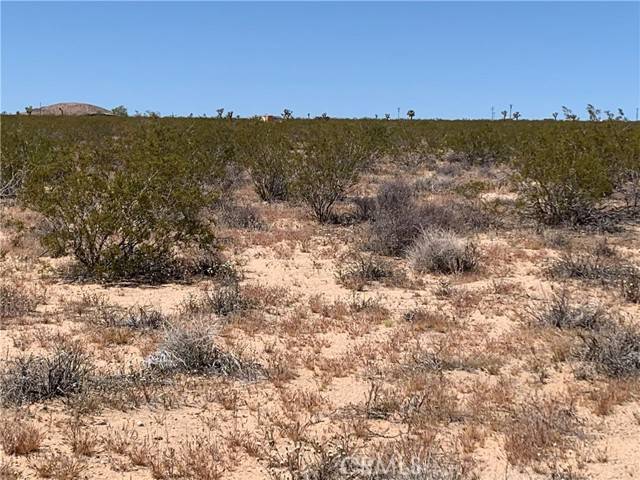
(18,436)
(32,378)
(439,251)
(16,301)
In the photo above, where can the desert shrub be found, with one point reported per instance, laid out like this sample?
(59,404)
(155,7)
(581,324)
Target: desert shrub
(123,206)
(232,215)
(440,251)
(479,143)
(58,466)
(32,378)
(561,313)
(396,219)
(614,349)
(192,349)
(19,149)
(267,151)
(223,301)
(136,318)
(540,427)
(602,269)
(395,222)
(359,269)
(327,166)
(630,286)
(456,215)
(566,172)
(15,301)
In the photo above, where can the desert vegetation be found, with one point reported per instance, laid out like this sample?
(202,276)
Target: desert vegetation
(213,298)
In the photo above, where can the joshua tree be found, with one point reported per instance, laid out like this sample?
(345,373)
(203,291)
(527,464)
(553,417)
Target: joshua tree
(230,115)
(387,116)
(29,110)
(411,114)
(568,114)
(594,113)
(120,111)
(555,115)
(220,111)
(504,114)
(516,115)
(324,116)
(287,114)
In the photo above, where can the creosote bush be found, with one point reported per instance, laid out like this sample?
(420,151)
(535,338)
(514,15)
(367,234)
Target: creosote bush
(440,251)
(267,150)
(122,206)
(567,171)
(327,166)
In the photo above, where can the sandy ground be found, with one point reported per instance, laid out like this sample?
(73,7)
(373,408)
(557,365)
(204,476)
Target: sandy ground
(326,348)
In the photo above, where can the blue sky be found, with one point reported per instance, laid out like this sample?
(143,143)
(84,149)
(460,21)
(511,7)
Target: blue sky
(442,59)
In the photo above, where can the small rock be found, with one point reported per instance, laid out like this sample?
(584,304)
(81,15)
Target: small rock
(140,424)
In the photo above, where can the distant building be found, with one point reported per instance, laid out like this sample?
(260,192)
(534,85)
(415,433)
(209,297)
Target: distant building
(270,118)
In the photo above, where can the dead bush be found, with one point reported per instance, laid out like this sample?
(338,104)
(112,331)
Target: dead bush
(358,270)
(630,287)
(223,301)
(613,349)
(440,251)
(33,378)
(590,266)
(192,349)
(18,436)
(246,217)
(135,318)
(560,312)
(58,466)
(396,219)
(538,428)
(16,301)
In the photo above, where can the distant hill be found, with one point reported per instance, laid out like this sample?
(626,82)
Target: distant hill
(73,109)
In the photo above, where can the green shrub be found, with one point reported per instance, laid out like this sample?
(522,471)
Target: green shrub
(566,172)
(329,165)
(122,206)
(267,151)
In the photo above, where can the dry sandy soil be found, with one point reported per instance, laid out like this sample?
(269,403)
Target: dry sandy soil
(450,372)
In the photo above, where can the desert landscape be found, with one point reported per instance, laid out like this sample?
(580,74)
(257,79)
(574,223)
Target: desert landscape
(319,299)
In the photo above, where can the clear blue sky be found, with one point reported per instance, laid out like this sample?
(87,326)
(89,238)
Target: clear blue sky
(442,59)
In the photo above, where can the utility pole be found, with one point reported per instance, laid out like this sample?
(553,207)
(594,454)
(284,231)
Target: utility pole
(398,113)
(510,108)
(636,114)
(492,112)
